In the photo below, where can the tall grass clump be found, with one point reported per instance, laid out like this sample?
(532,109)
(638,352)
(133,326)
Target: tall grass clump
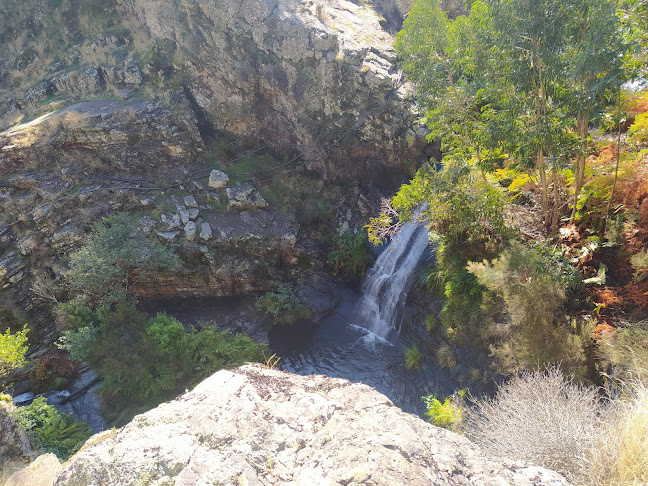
(621,455)
(541,418)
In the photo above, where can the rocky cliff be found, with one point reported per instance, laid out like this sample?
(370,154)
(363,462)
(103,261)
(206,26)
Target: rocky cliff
(120,106)
(312,78)
(257,426)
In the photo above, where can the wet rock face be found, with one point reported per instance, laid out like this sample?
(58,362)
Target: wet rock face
(318,76)
(258,426)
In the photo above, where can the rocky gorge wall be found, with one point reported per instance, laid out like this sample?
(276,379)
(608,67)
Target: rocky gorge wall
(259,426)
(319,79)
(114,107)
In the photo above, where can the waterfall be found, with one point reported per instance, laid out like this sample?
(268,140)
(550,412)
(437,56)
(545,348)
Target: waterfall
(388,282)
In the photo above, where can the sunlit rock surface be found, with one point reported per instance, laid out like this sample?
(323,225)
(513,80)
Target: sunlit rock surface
(257,426)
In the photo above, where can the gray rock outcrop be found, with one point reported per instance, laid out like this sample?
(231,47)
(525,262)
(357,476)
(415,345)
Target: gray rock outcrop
(41,472)
(318,76)
(218,179)
(15,448)
(117,135)
(245,196)
(258,426)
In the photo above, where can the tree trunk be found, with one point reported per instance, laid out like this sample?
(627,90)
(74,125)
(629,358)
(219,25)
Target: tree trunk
(582,128)
(556,213)
(616,168)
(540,166)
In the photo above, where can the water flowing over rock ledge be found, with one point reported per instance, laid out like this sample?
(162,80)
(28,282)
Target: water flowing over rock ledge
(259,426)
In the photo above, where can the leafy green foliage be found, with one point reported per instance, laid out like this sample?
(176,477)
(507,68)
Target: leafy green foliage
(638,131)
(145,361)
(12,351)
(448,414)
(514,80)
(115,257)
(461,207)
(413,357)
(350,256)
(533,284)
(51,431)
(284,306)
(80,342)
(214,350)
(431,323)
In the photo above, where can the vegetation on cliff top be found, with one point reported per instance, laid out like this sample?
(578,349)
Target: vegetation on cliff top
(539,212)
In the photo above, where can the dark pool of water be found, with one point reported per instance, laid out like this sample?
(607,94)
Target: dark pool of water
(338,348)
(334,347)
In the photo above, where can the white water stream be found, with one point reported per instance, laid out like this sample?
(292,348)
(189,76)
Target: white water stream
(388,282)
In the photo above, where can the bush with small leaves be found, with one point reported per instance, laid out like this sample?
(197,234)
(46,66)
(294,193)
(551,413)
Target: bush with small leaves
(284,306)
(51,431)
(413,357)
(12,351)
(350,257)
(448,414)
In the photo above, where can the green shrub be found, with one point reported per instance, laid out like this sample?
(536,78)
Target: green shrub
(350,256)
(51,431)
(144,361)
(638,131)
(12,351)
(448,414)
(284,306)
(413,357)
(80,342)
(533,285)
(431,322)
(214,350)
(116,256)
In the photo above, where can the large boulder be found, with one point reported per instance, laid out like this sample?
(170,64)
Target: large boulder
(259,426)
(41,472)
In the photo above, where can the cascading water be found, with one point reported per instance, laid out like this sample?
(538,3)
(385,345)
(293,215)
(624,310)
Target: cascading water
(388,282)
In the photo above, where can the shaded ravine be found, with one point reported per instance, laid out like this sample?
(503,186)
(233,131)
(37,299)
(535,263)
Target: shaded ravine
(360,340)
(338,348)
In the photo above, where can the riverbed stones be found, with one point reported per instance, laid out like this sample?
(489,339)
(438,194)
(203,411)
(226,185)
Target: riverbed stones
(245,196)
(259,426)
(187,215)
(205,232)
(171,220)
(190,231)
(147,223)
(190,202)
(218,179)
(167,236)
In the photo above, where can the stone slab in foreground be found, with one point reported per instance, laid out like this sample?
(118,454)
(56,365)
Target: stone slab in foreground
(256,426)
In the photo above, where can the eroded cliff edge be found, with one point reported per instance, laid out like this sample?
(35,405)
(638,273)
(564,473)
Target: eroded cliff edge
(259,426)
